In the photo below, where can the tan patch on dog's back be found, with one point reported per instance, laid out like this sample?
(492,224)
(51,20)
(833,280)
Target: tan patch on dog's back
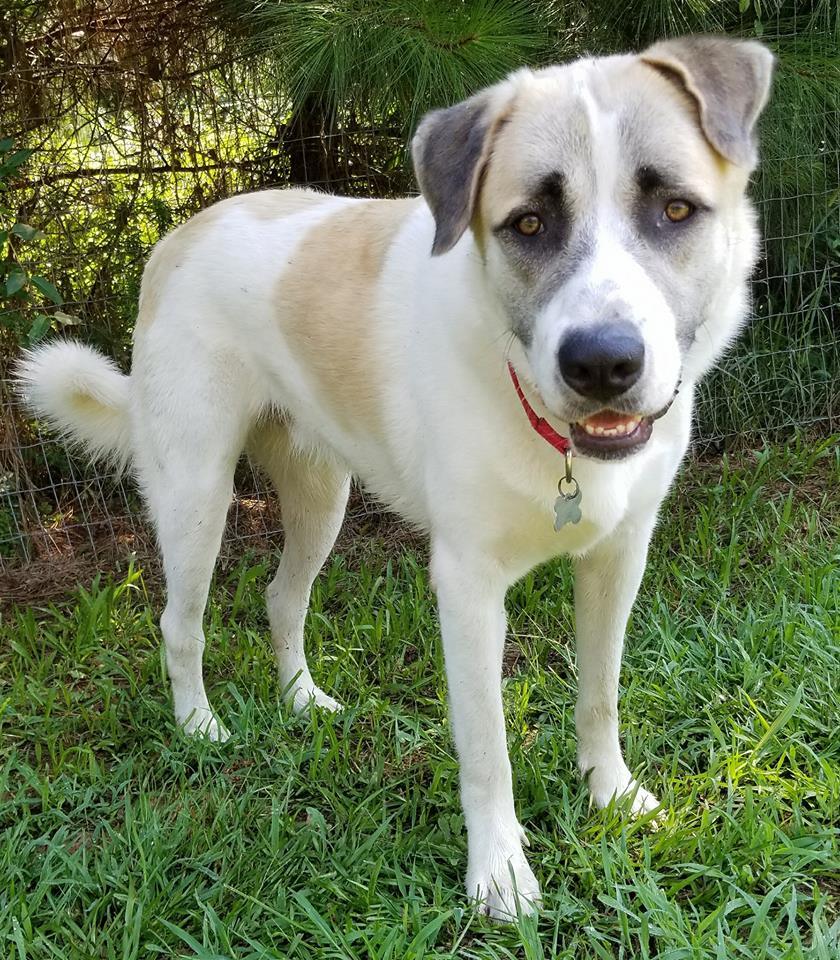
(326,301)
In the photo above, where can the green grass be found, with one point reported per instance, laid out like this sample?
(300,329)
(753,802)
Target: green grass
(341,837)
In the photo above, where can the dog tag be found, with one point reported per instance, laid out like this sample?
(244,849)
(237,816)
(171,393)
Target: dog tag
(567,508)
(567,505)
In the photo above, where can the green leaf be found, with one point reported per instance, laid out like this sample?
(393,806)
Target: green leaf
(10,318)
(25,232)
(782,719)
(202,953)
(66,319)
(40,325)
(16,159)
(48,290)
(6,144)
(743,5)
(14,282)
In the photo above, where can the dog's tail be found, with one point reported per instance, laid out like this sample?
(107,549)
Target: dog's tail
(82,395)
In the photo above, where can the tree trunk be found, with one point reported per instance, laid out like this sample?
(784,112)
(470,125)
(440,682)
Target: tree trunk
(312,145)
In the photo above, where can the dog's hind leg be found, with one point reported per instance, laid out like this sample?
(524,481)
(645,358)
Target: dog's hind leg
(313,497)
(189,441)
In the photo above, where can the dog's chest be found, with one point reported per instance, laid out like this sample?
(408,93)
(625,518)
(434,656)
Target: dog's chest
(521,527)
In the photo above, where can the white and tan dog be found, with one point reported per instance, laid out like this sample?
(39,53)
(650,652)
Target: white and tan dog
(586,223)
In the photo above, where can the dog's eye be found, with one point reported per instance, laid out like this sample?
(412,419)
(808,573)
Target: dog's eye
(679,210)
(529,225)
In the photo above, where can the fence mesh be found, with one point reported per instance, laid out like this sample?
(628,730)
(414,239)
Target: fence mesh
(138,116)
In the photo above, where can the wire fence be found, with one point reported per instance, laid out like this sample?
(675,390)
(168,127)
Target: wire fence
(124,150)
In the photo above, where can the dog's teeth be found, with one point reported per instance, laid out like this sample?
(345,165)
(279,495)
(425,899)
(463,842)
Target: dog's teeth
(621,429)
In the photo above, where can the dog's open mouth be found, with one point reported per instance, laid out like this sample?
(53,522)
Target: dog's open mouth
(609,435)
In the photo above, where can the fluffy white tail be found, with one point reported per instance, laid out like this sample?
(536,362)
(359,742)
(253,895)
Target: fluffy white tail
(81,394)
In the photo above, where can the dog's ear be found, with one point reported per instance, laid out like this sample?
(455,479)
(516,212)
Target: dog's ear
(450,151)
(729,81)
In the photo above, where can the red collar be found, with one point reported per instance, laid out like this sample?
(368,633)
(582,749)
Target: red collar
(542,426)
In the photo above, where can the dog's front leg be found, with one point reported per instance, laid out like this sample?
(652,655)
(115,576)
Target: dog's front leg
(606,582)
(471,594)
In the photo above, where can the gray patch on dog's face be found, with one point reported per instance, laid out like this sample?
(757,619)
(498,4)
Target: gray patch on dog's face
(540,264)
(676,256)
(530,270)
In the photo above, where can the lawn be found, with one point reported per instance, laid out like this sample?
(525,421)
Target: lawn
(341,837)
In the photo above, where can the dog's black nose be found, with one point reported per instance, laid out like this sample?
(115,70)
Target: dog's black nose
(602,362)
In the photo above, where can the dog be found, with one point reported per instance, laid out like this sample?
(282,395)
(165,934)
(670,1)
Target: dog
(508,361)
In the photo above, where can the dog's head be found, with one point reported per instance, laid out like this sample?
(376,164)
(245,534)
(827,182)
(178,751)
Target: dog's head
(606,198)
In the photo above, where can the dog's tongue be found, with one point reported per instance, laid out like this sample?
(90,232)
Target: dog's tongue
(607,419)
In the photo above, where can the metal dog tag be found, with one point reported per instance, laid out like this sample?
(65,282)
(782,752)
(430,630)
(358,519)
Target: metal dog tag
(567,505)
(567,508)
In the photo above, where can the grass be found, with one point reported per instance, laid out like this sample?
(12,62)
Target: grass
(341,837)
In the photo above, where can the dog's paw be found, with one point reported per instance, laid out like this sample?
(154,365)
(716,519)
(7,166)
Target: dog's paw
(641,801)
(202,722)
(614,782)
(501,883)
(306,698)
